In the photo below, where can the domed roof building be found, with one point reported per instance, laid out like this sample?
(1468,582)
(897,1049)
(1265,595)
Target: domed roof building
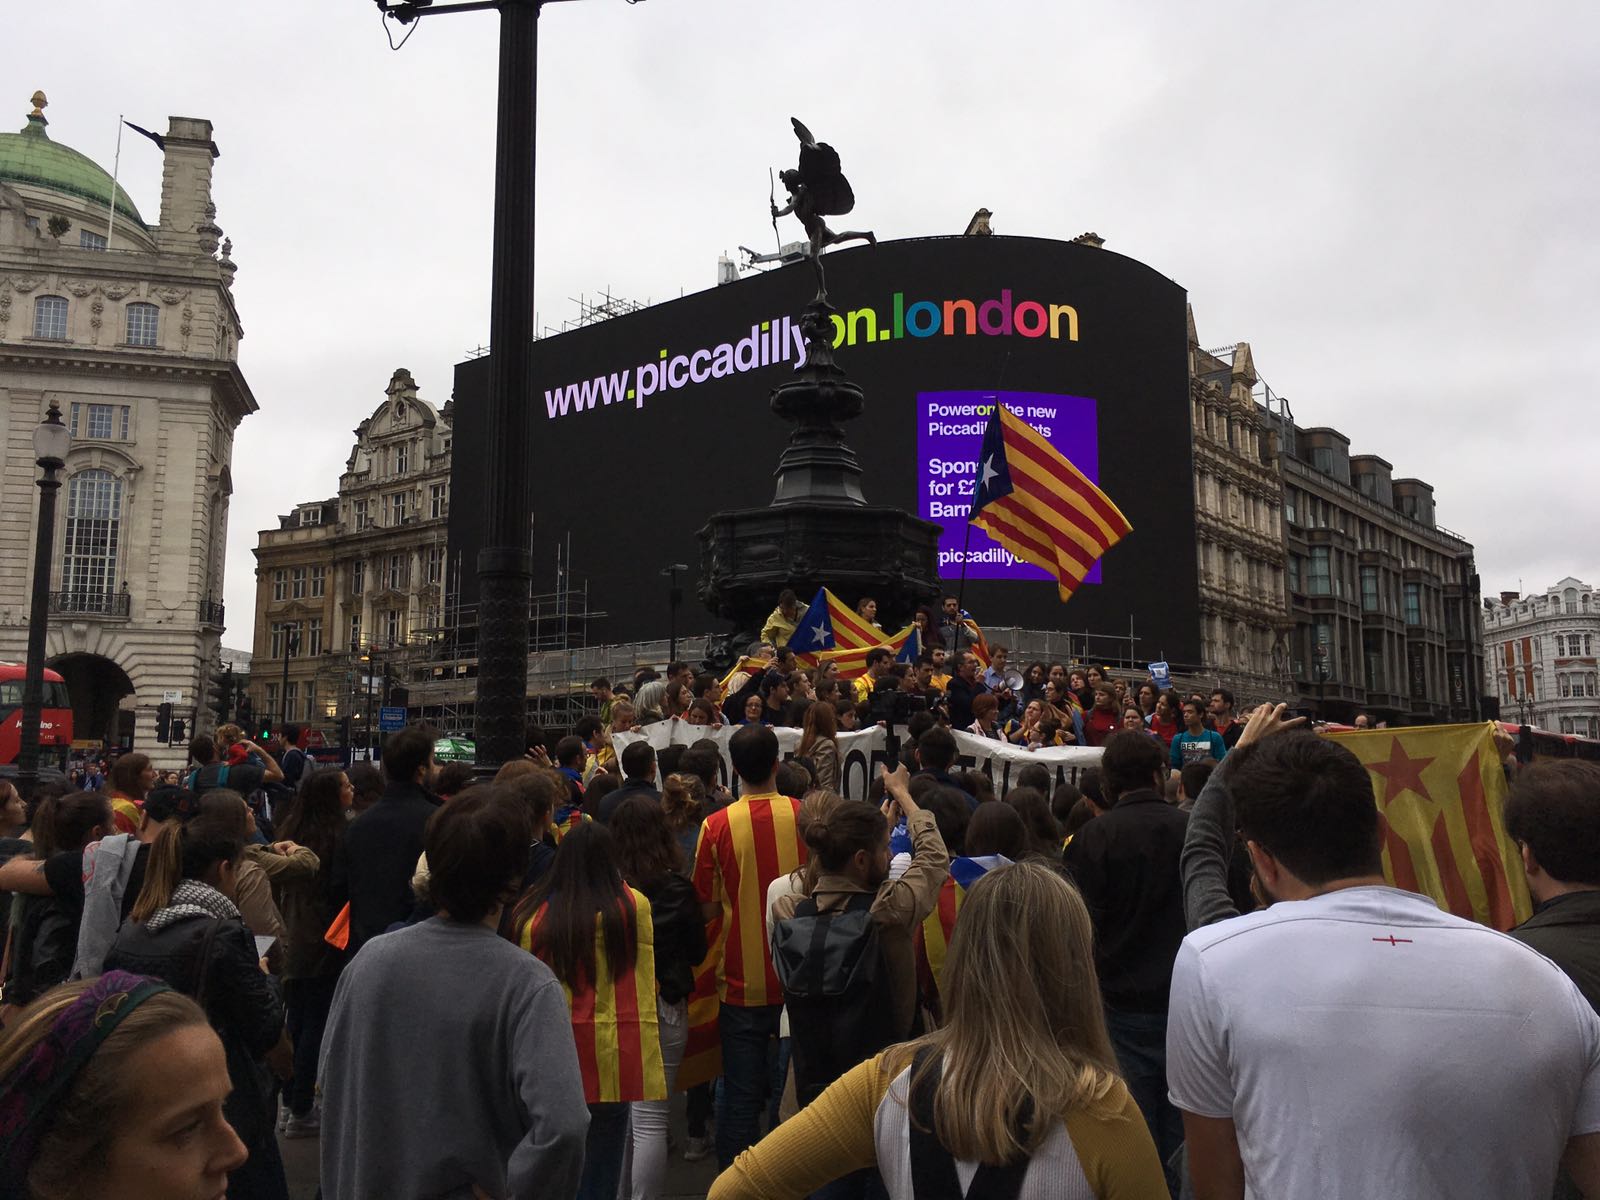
(130,330)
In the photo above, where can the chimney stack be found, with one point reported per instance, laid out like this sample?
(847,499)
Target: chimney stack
(1509,598)
(188,218)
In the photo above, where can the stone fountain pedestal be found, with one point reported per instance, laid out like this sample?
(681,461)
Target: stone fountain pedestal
(819,529)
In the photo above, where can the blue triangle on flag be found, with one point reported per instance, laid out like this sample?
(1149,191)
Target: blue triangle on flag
(911,651)
(815,630)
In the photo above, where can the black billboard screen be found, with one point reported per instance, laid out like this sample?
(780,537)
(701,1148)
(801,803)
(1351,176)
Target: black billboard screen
(651,422)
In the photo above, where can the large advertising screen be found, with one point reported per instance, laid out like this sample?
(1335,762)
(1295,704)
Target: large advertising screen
(649,423)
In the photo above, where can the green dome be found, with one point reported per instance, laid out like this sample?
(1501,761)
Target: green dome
(31,158)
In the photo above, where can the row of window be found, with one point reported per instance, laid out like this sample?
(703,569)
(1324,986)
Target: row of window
(1315,512)
(391,625)
(298,583)
(292,710)
(50,321)
(396,509)
(1568,603)
(394,571)
(1570,645)
(293,639)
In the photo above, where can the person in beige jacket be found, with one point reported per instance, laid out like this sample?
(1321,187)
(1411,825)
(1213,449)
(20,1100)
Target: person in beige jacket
(853,858)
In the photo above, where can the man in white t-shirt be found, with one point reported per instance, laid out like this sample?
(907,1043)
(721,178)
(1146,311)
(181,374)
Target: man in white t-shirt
(1351,1041)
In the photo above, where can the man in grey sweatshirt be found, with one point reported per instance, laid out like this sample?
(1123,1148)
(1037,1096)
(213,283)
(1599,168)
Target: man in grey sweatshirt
(448,1067)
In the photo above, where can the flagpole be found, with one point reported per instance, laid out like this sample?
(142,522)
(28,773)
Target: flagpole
(116,166)
(961,589)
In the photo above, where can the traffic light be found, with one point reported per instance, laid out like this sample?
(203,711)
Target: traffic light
(219,692)
(164,723)
(246,711)
(180,732)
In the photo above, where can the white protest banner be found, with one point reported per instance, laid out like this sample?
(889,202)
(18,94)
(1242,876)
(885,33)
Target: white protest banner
(1001,761)
(861,753)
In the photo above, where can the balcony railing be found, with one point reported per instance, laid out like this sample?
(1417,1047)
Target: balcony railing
(93,604)
(211,613)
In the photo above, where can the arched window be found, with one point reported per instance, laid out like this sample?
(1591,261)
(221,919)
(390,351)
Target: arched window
(50,317)
(94,533)
(144,324)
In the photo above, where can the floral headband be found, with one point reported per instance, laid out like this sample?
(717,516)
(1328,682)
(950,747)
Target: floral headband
(30,1094)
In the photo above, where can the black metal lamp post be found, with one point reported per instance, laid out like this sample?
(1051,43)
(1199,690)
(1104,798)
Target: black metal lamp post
(505,563)
(51,441)
(674,598)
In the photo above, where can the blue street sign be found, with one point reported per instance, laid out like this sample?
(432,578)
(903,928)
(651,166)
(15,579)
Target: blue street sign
(391,720)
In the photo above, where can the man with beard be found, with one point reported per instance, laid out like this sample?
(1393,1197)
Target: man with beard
(851,845)
(1405,1025)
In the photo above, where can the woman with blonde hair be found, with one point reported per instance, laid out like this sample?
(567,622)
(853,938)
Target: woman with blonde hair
(1017,1092)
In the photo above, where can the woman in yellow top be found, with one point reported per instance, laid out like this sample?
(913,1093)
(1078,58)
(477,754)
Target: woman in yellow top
(1020,1081)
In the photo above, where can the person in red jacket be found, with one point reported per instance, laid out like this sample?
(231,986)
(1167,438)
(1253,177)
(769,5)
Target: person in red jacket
(1102,720)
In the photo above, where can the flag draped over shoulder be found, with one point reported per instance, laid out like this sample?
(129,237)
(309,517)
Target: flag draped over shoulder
(702,1053)
(1441,791)
(1028,497)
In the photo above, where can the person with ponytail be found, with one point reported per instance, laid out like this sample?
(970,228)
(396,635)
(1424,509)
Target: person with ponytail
(597,935)
(1016,1094)
(185,930)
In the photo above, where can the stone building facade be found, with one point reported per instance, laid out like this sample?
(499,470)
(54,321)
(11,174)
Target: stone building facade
(1383,598)
(1238,500)
(346,583)
(1540,657)
(131,329)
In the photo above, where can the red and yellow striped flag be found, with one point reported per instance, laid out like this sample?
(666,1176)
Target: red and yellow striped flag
(702,1053)
(1441,790)
(931,941)
(614,1022)
(1035,503)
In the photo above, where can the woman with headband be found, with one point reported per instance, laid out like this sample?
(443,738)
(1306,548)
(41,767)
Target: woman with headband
(113,1087)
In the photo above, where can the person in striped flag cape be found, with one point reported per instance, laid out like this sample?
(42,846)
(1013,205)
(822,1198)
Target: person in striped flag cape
(596,934)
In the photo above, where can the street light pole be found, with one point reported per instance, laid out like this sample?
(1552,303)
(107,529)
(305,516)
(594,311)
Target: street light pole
(51,441)
(505,563)
(674,598)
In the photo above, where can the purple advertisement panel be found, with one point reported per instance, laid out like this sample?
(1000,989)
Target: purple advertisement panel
(950,429)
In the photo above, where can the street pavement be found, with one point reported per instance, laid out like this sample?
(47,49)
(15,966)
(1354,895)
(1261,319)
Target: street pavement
(685,1181)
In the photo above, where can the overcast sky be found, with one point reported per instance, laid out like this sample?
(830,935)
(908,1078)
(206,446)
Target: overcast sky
(1395,204)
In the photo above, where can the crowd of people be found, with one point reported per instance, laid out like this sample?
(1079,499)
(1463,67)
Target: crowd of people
(1183,975)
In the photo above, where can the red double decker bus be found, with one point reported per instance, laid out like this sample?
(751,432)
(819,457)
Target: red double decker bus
(55,719)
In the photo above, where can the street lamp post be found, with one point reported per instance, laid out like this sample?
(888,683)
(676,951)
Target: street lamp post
(674,598)
(505,563)
(51,441)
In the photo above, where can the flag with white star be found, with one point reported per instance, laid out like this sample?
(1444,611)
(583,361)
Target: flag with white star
(1031,499)
(815,630)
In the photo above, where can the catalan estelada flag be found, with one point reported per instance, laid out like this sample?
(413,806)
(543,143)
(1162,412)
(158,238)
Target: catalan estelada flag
(830,624)
(1036,504)
(932,939)
(614,1021)
(1441,790)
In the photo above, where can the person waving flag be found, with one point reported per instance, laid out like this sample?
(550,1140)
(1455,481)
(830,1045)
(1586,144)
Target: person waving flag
(1028,497)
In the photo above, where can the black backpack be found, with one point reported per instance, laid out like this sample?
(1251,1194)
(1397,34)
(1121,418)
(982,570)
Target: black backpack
(834,984)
